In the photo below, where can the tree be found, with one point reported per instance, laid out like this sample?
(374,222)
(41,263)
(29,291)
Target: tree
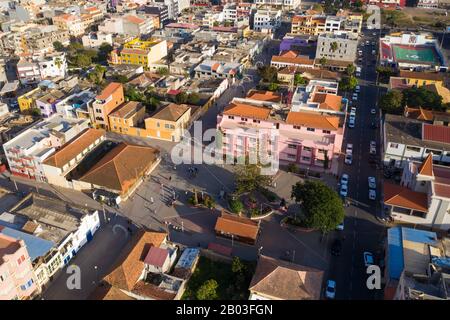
(181,98)
(236,205)
(75,46)
(208,290)
(350,70)
(299,80)
(103,51)
(133,95)
(273,86)
(392,102)
(317,7)
(237,266)
(323,61)
(162,71)
(249,178)
(348,83)
(58,46)
(268,73)
(82,60)
(321,205)
(358,4)
(334,46)
(120,78)
(421,97)
(193,98)
(58,62)
(96,75)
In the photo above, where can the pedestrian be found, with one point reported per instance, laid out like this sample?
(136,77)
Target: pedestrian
(170,178)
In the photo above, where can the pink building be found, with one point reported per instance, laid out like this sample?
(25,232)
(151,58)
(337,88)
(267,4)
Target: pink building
(17,279)
(302,137)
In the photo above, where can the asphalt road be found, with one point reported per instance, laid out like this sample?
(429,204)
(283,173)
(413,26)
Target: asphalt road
(362,231)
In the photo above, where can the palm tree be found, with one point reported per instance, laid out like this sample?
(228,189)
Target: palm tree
(58,62)
(334,46)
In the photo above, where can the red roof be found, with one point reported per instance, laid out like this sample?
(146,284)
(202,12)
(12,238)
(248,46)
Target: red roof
(226,251)
(156,257)
(173,92)
(436,133)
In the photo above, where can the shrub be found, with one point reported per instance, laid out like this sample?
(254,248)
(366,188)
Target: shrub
(192,200)
(209,202)
(236,205)
(292,168)
(270,196)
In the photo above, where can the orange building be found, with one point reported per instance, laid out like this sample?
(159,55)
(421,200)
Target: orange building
(109,99)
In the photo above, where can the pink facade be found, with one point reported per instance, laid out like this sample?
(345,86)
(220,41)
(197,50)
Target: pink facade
(305,144)
(17,279)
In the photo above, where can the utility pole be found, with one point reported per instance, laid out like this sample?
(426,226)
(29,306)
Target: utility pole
(104,213)
(15,184)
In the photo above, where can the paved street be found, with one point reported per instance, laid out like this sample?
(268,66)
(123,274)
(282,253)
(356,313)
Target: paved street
(362,231)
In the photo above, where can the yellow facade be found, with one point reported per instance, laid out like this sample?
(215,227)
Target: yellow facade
(167,130)
(128,125)
(141,52)
(27,101)
(422,82)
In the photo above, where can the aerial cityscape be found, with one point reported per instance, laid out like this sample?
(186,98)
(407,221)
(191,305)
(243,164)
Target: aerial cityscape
(224,150)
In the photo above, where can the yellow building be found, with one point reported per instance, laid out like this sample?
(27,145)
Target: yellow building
(128,119)
(169,123)
(28,100)
(140,52)
(422,78)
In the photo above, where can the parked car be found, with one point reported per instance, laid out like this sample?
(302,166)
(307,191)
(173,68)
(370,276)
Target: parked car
(336,247)
(344,190)
(373,111)
(372,194)
(330,291)
(374,125)
(368,259)
(349,149)
(357,89)
(373,147)
(344,179)
(348,159)
(340,227)
(355,97)
(353,111)
(372,183)
(351,122)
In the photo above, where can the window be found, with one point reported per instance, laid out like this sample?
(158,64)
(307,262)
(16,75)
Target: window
(158,125)
(311,129)
(256,121)
(244,119)
(414,149)
(306,159)
(326,131)
(297,127)
(435,152)
(291,156)
(20,260)
(2,278)
(231,117)
(292,146)
(307,149)
(393,145)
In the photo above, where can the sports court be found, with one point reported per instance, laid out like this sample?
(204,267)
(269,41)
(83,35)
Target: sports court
(424,54)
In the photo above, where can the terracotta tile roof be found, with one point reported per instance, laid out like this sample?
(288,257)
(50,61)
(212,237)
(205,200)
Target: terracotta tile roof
(74,147)
(419,113)
(121,167)
(398,83)
(233,224)
(134,19)
(426,168)
(156,257)
(313,120)
(264,96)
(296,60)
(105,291)
(296,19)
(286,281)
(127,110)
(289,54)
(396,195)
(130,264)
(246,110)
(146,289)
(172,112)
(437,133)
(436,76)
(328,101)
(109,90)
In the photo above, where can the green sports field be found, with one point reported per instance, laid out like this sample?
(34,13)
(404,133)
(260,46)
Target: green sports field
(415,54)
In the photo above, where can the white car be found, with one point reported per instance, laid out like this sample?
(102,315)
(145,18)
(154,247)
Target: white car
(368,259)
(372,194)
(373,111)
(372,183)
(355,96)
(349,149)
(340,227)
(344,179)
(344,190)
(330,291)
(373,52)
(351,122)
(358,74)
(357,88)
(367,42)
(348,159)
(353,111)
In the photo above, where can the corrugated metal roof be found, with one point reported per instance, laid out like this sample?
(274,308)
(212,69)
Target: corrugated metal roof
(395,252)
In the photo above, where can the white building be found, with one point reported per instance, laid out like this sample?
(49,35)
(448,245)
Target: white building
(28,72)
(4,110)
(423,196)
(53,66)
(267,21)
(96,39)
(27,151)
(76,105)
(428,4)
(291,4)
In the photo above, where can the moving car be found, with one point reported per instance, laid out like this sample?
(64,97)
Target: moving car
(330,291)
(368,259)
(348,159)
(336,247)
(372,183)
(373,111)
(349,149)
(372,194)
(344,179)
(344,190)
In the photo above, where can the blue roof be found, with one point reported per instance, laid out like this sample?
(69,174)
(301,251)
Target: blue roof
(36,246)
(396,236)
(395,252)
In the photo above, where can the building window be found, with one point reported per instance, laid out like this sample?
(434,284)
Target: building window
(308,149)
(393,145)
(244,119)
(292,146)
(20,260)
(291,156)
(231,117)
(306,159)
(326,131)
(414,149)
(311,129)
(435,152)
(256,121)
(297,127)
(158,125)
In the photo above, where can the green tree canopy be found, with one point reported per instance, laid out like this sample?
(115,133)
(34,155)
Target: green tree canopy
(96,75)
(103,51)
(350,70)
(299,80)
(82,60)
(348,83)
(392,102)
(320,205)
(58,46)
(181,98)
(133,95)
(334,46)
(323,61)
(268,73)
(208,290)
(273,86)
(237,266)
(193,98)
(162,71)
(421,97)
(248,178)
